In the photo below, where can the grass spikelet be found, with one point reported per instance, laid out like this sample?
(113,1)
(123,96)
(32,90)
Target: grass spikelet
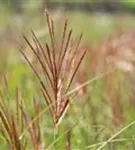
(56,62)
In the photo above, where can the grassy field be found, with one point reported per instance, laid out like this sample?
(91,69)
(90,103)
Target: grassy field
(101,112)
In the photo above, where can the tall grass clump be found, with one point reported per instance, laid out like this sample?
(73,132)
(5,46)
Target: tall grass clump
(20,129)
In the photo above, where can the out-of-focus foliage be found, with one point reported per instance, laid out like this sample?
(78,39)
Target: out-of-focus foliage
(129,4)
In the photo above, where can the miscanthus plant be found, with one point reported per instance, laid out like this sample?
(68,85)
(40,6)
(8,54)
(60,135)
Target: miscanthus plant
(59,63)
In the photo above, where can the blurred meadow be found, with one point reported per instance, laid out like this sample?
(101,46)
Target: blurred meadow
(92,85)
